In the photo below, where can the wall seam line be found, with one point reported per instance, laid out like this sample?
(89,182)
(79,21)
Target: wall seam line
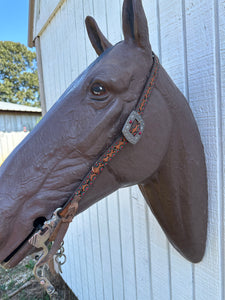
(159,30)
(219,132)
(186,83)
(187,95)
(133,237)
(81,283)
(110,255)
(121,245)
(169,268)
(100,250)
(92,252)
(149,247)
(85,255)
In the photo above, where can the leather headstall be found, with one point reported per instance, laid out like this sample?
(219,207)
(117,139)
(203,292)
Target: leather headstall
(55,228)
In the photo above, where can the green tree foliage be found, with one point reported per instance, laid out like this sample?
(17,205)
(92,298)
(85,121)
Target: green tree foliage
(18,74)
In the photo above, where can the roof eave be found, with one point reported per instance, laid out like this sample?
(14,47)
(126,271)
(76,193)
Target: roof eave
(31,24)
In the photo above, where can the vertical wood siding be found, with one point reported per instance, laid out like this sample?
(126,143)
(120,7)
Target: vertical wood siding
(116,249)
(13,121)
(12,130)
(8,141)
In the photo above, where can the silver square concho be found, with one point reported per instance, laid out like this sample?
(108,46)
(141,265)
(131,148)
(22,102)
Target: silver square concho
(133,139)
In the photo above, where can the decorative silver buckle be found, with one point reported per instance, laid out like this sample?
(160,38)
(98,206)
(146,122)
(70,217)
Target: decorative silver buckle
(133,139)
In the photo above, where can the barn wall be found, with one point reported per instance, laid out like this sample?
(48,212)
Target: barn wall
(116,249)
(16,121)
(8,141)
(14,126)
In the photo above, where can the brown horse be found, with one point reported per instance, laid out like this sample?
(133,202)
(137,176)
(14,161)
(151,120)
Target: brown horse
(71,148)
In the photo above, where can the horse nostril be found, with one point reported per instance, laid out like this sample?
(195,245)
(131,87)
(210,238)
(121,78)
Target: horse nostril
(38,223)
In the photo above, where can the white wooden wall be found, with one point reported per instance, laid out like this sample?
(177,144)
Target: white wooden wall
(116,249)
(8,141)
(14,121)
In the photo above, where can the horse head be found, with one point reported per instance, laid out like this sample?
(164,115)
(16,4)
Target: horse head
(167,162)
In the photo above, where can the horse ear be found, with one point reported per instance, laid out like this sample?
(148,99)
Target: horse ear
(135,26)
(177,193)
(98,40)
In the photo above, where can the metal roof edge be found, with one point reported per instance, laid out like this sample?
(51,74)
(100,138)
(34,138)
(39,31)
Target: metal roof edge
(6,106)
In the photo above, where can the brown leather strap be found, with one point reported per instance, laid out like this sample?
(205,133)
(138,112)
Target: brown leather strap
(69,210)
(56,228)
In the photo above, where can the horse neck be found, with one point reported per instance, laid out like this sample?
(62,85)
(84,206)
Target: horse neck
(177,192)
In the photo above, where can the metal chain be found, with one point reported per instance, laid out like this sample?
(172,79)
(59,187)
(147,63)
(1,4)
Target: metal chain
(60,257)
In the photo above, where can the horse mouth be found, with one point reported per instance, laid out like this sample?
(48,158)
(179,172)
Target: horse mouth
(24,248)
(21,251)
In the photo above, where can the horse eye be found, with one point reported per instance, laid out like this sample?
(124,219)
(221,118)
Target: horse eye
(97,89)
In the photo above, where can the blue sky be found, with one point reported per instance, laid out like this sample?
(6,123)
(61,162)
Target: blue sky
(14,20)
